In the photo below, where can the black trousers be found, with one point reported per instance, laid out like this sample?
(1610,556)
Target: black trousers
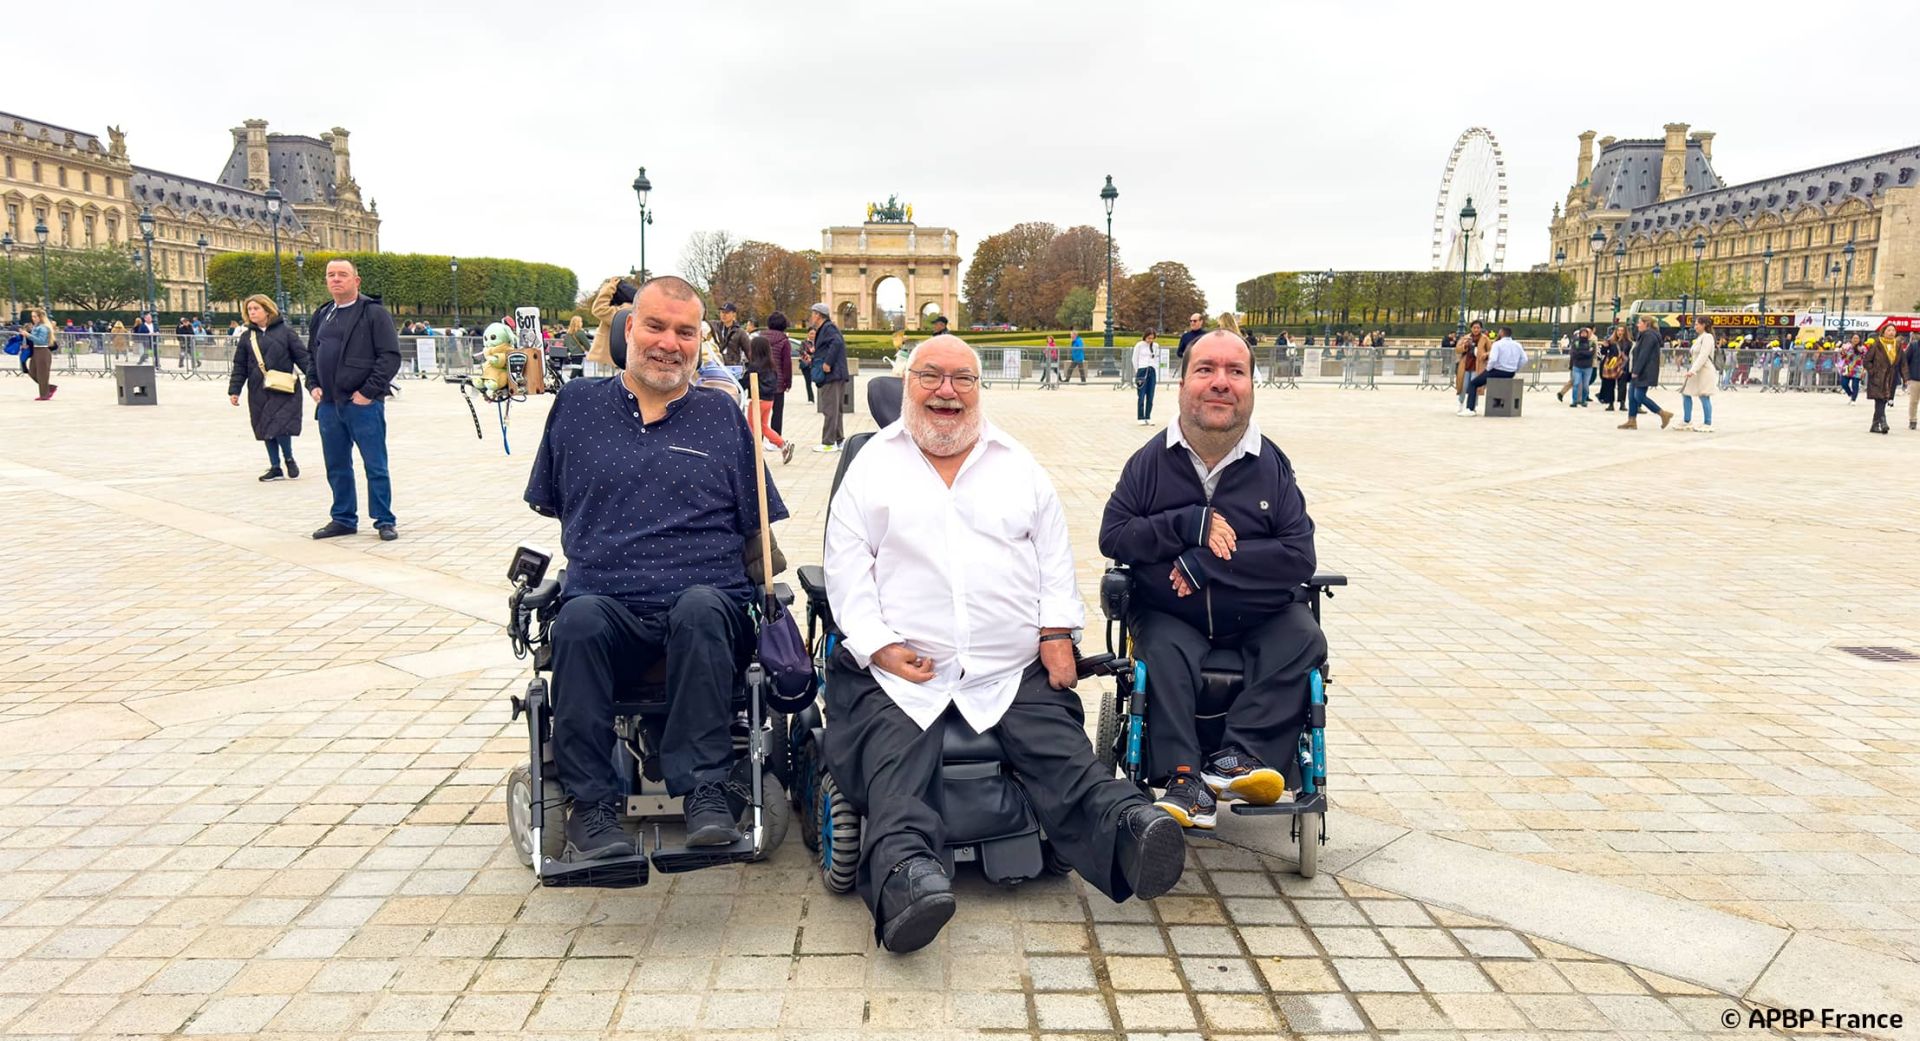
(778,421)
(600,646)
(890,769)
(1267,717)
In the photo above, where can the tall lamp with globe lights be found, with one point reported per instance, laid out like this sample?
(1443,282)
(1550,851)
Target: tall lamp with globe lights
(1468,218)
(1108,194)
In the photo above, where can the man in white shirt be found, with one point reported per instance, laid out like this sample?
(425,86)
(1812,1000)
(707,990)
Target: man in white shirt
(950,572)
(1505,360)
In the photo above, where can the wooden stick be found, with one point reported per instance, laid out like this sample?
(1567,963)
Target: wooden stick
(760,486)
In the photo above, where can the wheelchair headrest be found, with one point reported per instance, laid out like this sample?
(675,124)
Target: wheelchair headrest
(884,397)
(617,337)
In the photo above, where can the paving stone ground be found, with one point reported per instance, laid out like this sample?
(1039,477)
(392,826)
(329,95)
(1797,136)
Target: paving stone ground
(251,785)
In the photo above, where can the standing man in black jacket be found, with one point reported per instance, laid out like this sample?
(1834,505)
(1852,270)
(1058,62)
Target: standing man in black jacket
(1209,517)
(1644,369)
(830,375)
(1196,328)
(355,357)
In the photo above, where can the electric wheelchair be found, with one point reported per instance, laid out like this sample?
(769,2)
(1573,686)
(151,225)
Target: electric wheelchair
(536,804)
(988,819)
(1119,738)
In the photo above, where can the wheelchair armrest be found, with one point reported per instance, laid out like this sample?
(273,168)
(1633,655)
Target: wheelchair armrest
(1324,579)
(1116,588)
(783,593)
(542,596)
(1102,664)
(813,582)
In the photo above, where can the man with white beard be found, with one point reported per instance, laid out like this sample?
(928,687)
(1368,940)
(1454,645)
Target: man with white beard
(950,572)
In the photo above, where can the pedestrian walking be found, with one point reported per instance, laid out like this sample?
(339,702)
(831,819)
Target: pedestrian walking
(830,375)
(1910,372)
(1643,372)
(117,339)
(40,347)
(780,349)
(577,343)
(760,363)
(1580,368)
(1077,355)
(1882,365)
(1848,363)
(264,363)
(356,354)
(1614,355)
(1146,372)
(729,337)
(1701,378)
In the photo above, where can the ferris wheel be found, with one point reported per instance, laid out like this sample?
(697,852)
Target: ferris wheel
(1475,171)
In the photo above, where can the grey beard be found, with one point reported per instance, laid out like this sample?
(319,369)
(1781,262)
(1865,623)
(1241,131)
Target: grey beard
(940,443)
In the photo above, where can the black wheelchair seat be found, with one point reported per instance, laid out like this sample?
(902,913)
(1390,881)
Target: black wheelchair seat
(962,744)
(1222,676)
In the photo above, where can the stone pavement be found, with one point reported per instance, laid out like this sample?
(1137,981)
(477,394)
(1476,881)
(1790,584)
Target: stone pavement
(1599,768)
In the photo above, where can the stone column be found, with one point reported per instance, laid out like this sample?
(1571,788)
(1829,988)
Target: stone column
(1585,168)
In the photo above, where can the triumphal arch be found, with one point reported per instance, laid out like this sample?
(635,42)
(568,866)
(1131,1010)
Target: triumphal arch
(854,260)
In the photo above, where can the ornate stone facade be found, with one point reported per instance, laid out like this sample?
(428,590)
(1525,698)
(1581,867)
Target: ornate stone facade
(854,260)
(90,194)
(1656,196)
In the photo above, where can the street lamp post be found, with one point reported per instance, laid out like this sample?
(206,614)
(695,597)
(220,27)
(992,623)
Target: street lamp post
(1107,196)
(1597,240)
(46,298)
(1326,311)
(1619,257)
(205,312)
(453,266)
(1845,283)
(1468,218)
(1160,309)
(153,320)
(1766,270)
(641,187)
(1486,275)
(1559,260)
(300,276)
(13,303)
(1699,251)
(273,215)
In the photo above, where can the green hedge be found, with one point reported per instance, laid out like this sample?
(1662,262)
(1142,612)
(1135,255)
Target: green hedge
(410,284)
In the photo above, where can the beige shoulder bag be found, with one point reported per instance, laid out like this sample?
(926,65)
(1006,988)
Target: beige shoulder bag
(277,381)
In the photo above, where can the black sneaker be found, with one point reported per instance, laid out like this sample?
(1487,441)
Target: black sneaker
(710,820)
(387,532)
(916,902)
(273,474)
(1188,801)
(293,469)
(1236,775)
(334,530)
(593,832)
(1152,850)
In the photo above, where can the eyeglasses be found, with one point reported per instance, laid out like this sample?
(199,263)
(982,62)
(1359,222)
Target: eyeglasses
(931,380)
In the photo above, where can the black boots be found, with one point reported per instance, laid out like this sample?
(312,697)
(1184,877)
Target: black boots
(916,901)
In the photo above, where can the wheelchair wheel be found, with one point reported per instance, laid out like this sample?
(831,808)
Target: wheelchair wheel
(805,792)
(839,836)
(776,813)
(1106,737)
(1309,828)
(553,836)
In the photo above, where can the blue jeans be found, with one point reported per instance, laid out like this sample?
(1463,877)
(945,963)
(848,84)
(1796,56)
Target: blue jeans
(1851,384)
(1637,399)
(1582,385)
(342,429)
(278,446)
(1706,408)
(1143,380)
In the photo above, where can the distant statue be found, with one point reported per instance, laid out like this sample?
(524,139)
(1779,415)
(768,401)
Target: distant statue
(889,213)
(116,142)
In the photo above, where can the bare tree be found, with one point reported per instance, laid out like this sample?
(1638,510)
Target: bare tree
(705,254)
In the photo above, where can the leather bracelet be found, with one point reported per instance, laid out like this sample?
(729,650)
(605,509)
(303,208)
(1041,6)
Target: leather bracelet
(1056,636)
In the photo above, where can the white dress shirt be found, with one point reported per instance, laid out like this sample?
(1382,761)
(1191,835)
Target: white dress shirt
(1249,444)
(1145,356)
(966,576)
(1507,355)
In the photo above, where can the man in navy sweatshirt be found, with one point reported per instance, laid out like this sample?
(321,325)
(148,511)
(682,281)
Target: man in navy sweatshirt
(1209,517)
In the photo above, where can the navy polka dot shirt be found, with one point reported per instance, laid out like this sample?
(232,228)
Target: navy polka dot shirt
(647,511)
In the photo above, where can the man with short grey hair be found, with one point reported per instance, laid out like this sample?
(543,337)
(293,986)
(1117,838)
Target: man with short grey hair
(356,354)
(830,375)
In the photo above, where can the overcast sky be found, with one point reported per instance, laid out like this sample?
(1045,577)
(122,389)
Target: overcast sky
(1243,136)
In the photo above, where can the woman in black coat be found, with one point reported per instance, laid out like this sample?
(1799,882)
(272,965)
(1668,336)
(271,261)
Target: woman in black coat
(275,414)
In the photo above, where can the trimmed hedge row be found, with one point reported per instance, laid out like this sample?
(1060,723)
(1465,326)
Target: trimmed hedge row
(413,284)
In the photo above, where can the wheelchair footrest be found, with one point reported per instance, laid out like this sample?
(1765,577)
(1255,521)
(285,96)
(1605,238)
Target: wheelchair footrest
(1314,803)
(673,860)
(607,873)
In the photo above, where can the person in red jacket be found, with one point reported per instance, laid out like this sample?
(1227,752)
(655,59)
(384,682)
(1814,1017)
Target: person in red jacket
(1209,517)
